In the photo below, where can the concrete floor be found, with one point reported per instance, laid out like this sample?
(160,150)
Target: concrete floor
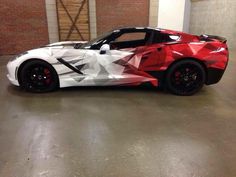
(118,132)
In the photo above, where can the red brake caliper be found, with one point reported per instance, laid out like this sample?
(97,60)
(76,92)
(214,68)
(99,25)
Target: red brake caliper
(48,75)
(177,77)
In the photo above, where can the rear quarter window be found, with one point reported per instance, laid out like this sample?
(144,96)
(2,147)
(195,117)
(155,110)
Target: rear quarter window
(163,37)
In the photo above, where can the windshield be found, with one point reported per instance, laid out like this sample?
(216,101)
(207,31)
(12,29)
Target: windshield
(95,41)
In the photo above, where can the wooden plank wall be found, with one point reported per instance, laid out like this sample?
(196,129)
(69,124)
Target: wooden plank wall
(73,20)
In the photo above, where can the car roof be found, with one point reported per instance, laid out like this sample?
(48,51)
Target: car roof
(133,29)
(136,29)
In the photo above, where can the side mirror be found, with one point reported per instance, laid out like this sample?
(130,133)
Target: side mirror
(104,49)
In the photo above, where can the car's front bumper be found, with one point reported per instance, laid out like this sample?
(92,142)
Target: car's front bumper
(12,73)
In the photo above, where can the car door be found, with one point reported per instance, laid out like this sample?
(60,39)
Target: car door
(119,65)
(104,69)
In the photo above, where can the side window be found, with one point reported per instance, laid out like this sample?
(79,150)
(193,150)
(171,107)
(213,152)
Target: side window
(131,37)
(162,37)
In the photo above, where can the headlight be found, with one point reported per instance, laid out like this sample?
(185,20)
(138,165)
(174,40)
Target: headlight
(18,56)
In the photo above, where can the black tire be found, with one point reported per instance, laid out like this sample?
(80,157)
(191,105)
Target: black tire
(38,76)
(185,77)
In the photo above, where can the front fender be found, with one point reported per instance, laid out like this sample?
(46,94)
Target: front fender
(44,54)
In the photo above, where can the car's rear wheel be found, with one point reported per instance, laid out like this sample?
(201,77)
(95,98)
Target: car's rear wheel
(185,77)
(38,76)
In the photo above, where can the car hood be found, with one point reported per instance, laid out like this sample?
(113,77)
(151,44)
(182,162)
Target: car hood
(65,49)
(53,51)
(65,43)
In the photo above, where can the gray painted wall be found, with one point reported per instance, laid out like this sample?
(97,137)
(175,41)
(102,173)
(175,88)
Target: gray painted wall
(216,17)
(52,20)
(187,13)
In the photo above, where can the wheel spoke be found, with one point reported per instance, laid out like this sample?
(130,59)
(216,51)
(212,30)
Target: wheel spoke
(38,77)
(186,78)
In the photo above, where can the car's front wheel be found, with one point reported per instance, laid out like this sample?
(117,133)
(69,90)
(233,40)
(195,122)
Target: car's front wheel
(185,78)
(38,76)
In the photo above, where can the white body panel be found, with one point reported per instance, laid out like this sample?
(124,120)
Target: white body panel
(98,69)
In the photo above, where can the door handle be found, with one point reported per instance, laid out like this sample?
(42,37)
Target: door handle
(159,49)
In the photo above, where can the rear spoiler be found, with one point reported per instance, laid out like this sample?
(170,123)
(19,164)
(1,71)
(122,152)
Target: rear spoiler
(206,37)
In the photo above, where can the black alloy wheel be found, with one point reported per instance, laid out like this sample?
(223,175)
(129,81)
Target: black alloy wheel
(38,76)
(185,78)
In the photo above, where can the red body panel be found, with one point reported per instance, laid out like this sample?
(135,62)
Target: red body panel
(158,57)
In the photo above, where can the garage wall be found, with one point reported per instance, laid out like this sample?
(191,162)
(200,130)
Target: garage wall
(73,20)
(92,19)
(27,24)
(216,17)
(23,25)
(153,12)
(119,13)
(52,21)
(174,15)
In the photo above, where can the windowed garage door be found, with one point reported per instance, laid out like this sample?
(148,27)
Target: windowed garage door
(73,20)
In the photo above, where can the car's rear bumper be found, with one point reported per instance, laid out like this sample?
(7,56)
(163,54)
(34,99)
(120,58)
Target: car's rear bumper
(214,75)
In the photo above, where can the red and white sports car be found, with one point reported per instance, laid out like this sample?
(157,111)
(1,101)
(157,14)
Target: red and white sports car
(181,62)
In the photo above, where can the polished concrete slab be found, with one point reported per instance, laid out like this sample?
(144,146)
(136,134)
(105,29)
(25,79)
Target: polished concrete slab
(118,132)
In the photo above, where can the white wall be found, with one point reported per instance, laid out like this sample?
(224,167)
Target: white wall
(52,20)
(92,19)
(174,14)
(153,13)
(187,16)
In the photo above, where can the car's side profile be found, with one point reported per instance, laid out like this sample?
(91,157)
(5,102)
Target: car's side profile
(181,62)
